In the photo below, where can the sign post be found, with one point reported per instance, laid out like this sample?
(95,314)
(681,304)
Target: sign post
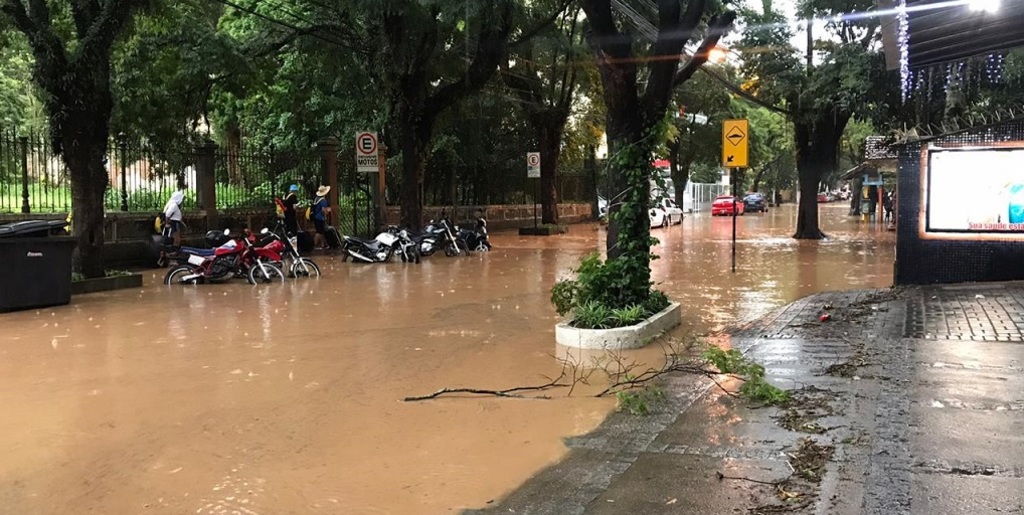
(533,172)
(735,155)
(367,156)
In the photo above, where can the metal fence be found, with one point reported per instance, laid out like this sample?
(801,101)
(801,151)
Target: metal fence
(143,175)
(252,178)
(471,186)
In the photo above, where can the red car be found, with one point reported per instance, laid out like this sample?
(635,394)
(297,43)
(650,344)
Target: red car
(725,205)
(823,198)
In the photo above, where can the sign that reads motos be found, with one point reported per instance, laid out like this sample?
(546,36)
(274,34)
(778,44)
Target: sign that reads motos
(533,165)
(367,152)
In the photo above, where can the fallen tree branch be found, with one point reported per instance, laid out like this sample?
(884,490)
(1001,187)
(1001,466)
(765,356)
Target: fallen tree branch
(508,392)
(769,483)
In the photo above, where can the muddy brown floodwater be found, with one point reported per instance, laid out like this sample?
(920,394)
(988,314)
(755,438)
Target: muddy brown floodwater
(285,399)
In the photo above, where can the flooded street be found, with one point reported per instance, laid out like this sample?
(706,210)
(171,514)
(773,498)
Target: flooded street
(286,399)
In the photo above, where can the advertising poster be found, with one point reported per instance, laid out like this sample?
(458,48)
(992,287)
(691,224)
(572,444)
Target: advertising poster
(976,190)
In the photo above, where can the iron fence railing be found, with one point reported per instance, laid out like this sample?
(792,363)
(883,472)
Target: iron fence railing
(143,175)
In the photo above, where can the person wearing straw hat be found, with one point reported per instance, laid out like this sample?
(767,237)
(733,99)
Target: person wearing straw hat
(320,209)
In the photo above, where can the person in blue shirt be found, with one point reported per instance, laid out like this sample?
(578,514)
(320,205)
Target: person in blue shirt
(321,209)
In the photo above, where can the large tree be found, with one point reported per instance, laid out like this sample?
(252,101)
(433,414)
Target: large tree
(73,70)
(837,79)
(425,57)
(638,78)
(701,105)
(544,73)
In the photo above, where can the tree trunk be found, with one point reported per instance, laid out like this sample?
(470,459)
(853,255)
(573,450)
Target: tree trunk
(84,143)
(855,196)
(414,140)
(679,168)
(817,146)
(549,126)
(757,179)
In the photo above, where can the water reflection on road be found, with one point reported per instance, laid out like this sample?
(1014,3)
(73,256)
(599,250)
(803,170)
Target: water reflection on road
(226,398)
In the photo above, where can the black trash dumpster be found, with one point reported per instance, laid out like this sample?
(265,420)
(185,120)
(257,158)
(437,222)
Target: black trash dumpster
(35,265)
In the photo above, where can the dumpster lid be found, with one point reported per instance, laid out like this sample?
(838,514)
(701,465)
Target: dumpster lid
(29,227)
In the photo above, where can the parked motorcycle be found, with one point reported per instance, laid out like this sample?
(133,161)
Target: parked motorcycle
(298,265)
(382,248)
(429,241)
(452,241)
(476,238)
(238,255)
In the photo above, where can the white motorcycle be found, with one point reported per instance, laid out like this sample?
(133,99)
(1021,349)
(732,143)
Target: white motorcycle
(382,248)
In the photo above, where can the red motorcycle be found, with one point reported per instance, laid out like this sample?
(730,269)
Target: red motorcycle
(241,255)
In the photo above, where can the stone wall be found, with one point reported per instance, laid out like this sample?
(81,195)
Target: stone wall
(129,235)
(500,216)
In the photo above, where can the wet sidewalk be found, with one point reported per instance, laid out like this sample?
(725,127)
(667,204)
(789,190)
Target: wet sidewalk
(907,401)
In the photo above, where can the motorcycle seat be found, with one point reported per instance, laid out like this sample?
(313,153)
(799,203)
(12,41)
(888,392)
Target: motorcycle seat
(197,251)
(361,240)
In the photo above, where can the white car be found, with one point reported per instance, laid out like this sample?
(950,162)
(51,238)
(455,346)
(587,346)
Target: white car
(665,213)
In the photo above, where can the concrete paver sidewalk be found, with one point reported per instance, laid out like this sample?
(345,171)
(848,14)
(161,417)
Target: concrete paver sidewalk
(917,395)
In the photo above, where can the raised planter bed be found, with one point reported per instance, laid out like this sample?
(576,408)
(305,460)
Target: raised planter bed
(630,337)
(101,284)
(544,230)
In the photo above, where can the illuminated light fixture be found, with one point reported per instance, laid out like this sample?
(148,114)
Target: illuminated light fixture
(989,6)
(903,40)
(718,55)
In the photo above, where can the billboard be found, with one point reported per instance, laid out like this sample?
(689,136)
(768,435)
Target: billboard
(975,190)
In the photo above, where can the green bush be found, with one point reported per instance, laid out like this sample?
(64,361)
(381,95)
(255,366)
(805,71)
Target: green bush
(754,386)
(594,315)
(604,284)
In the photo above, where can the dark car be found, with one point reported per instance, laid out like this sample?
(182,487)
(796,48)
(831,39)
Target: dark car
(755,202)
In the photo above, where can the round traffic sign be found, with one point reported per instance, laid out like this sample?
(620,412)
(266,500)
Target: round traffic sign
(366,143)
(533,159)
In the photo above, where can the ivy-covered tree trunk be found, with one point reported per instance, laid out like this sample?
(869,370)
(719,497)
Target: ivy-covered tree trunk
(817,153)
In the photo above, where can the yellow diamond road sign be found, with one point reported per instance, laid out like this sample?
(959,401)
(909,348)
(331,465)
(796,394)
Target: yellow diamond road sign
(735,136)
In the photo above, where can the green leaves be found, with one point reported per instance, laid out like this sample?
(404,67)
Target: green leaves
(605,294)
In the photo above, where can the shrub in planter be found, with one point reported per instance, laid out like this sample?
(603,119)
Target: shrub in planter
(600,296)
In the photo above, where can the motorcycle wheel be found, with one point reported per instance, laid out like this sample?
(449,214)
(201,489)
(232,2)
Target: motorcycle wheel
(304,267)
(450,250)
(482,246)
(175,274)
(257,275)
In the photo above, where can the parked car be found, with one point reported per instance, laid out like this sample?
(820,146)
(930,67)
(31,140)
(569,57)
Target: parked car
(673,215)
(658,217)
(726,205)
(602,207)
(823,198)
(755,202)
